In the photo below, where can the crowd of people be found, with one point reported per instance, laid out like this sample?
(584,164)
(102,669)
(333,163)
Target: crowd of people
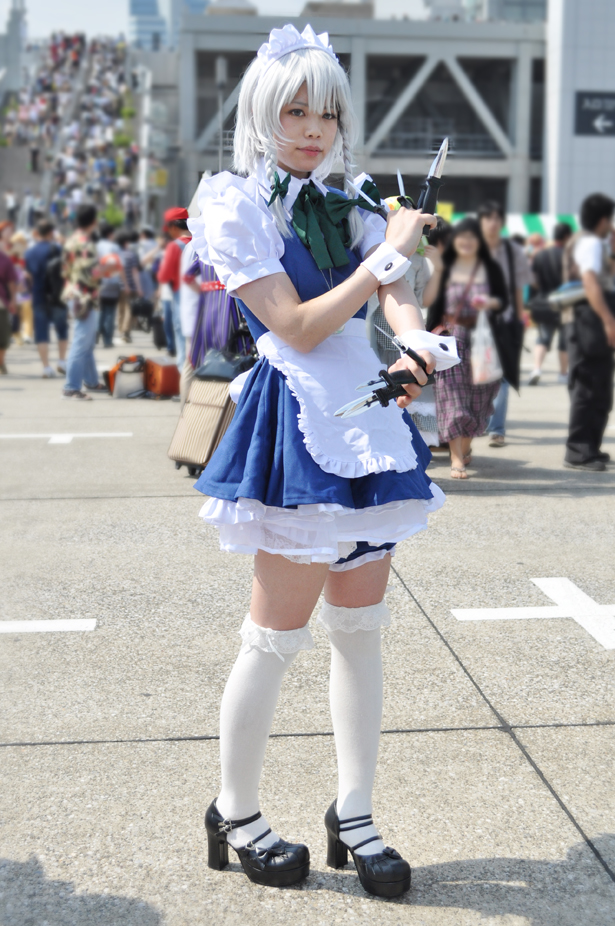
(472,268)
(86,239)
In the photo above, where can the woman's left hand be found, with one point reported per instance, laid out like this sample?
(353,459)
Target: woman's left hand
(406,363)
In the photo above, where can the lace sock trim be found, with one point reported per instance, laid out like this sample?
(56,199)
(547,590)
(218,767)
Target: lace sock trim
(350,619)
(275,641)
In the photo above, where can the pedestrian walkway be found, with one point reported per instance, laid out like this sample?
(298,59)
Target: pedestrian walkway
(496,778)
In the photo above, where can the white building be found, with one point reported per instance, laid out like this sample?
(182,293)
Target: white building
(11,49)
(413,82)
(580,150)
(483,82)
(147,28)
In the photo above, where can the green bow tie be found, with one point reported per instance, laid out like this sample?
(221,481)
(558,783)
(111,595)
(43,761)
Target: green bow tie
(321,222)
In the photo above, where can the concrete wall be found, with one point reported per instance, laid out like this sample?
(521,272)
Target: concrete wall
(580,57)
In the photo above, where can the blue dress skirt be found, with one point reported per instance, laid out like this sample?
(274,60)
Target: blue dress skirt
(267,492)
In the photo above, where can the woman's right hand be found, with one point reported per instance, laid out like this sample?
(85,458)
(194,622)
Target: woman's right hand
(405,229)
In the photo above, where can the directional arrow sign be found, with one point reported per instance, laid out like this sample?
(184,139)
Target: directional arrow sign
(597,619)
(594,113)
(601,123)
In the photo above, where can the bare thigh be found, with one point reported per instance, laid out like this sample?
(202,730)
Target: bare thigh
(360,587)
(284,594)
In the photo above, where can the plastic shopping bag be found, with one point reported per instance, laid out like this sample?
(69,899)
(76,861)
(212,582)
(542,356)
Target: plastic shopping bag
(486,366)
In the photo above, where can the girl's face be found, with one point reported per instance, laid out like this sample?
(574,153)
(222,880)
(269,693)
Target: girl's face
(309,136)
(466,245)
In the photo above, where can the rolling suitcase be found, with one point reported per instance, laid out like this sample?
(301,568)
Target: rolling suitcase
(222,348)
(203,422)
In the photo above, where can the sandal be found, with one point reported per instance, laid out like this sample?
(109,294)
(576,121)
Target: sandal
(467,458)
(280,865)
(459,472)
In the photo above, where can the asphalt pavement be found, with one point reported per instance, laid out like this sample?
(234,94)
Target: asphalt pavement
(497,769)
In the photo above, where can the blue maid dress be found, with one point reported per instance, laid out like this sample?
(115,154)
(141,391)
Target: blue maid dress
(288,477)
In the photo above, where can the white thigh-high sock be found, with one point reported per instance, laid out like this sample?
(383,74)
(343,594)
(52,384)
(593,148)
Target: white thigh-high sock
(246,715)
(356,710)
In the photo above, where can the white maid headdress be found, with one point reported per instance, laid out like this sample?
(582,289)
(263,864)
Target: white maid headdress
(288,38)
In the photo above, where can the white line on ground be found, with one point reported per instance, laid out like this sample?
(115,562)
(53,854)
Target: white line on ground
(64,438)
(597,619)
(59,626)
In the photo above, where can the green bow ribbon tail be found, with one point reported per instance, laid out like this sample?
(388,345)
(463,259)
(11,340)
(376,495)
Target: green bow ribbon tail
(321,222)
(279,188)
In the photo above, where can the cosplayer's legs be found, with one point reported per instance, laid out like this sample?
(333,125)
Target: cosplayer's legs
(283,598)
(353,613)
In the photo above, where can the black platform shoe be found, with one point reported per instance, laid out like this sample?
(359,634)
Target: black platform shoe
(385,874)
(280,865)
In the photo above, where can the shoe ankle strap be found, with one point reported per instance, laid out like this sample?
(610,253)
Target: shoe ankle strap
(367,818)
(227,826)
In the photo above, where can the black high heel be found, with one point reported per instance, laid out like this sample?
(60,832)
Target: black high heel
(385,874)
(279,865)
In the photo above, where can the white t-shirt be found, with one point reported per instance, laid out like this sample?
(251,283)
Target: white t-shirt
(589,253)
(188,298)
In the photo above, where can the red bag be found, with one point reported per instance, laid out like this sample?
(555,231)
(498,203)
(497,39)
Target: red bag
(161,378)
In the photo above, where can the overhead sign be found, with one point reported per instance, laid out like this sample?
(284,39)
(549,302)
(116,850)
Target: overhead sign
(594,113)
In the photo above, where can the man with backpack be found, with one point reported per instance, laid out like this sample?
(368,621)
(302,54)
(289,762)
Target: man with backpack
(131,282)
(517,273)
(547,270)
(44,268)
(83,273)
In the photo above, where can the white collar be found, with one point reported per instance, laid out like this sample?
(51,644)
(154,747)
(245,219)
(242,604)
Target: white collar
(293,187)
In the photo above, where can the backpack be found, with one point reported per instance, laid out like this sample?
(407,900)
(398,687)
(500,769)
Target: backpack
(54,281)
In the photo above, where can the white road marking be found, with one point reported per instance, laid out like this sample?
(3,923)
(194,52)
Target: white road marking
(47,626)
(597,619)
(64,438)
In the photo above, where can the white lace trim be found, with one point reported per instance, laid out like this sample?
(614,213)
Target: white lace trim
(323,532)
(275,641)
(370,617)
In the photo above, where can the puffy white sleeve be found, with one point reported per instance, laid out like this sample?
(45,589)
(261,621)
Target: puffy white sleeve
(375,225)
(235,232)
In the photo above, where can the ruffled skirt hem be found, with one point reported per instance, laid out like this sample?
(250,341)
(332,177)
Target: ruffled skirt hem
(318,533)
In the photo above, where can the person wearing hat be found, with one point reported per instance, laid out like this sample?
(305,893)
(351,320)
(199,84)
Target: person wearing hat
(169,273)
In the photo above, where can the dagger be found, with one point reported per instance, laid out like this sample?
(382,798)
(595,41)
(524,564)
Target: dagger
(428,198)
(378,209)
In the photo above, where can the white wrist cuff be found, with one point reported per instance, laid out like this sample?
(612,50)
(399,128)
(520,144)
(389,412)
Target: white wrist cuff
(386,264)
(443,350)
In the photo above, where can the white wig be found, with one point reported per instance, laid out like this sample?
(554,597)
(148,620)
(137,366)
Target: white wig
(263,95)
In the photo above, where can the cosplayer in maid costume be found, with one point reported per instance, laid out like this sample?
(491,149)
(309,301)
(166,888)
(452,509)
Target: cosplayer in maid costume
(320,501)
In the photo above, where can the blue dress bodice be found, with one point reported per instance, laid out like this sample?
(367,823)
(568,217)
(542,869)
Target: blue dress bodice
(307,279)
